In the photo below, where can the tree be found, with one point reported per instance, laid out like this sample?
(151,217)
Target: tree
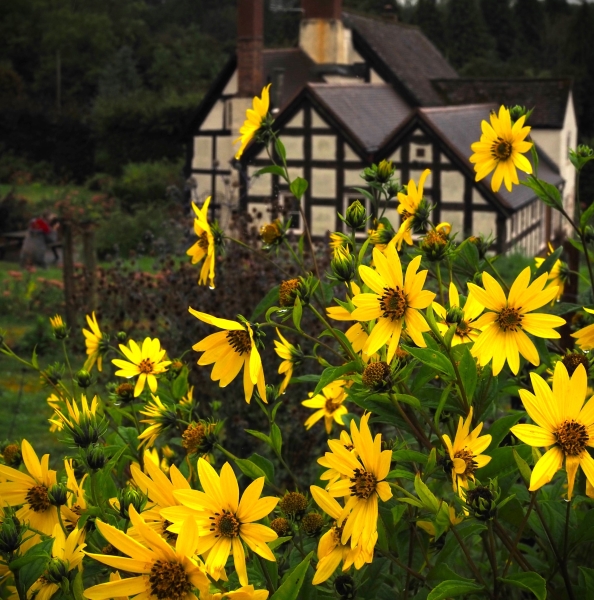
(428,17)
(499,20)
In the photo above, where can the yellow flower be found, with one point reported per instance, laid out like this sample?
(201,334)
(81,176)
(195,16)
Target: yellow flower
(331,475)
(444,228)
(55,403)
(465,452)
(585,336)
(408,207)
(564,425)
(204,248)
(329,404)
(380,236)
(338,242)
(95,343)
(500,149)
(67,555)
(162,571)
(115,576)
(224,520)
(557,275)
(464,317)
(362,481)
(230,350)
(76,502)
(81,423)
(254,119)
(160,418)
(291,356)
(146,362)
(331,550)
(394,302)
(245,592)
(30,489)
(504,326)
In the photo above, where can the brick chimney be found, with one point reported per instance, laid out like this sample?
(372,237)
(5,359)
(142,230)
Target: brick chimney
(321,33)
(250,42)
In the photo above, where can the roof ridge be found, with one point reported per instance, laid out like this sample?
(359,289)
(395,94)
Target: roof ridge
(457,107)
(324,84)
(379,19)
(505,79)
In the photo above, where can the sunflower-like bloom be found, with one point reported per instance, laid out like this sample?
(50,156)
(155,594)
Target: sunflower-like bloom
(331,550)
(329,404)
(465,452)
(224,520)
(254,119)
(30,490)
(394,302)
(76,502)
(67,555)
(160,418)
(96,344)
(230,350)
(501,149)
(463,316)
(558,275)
(82,424)
(245,592)
(585,336)
(362,475)
(291,356)
(204,248)
(55,403)
(410,207)
(145,362)
(162,571)
(503,328)
(564,425)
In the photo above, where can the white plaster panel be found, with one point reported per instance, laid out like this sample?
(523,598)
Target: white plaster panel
(420,152)
(214,120)
(295,172)
(452,186)
(225,150)
(203,183)
(296,121)
(231,87)
(444,159)
(374,77)
(261,209)
(317,121)
(484,222)
(396,155)
(261,185)
(323,219)
(294,147)
(477,197)
(349,153)
(455,218)
(352,178)
(202,158)
(416,176)
(323,147)
(323,183)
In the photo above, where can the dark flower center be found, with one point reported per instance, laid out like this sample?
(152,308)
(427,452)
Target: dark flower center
(203,241)
(364,484)
(331,406)
(168,535)
(38,499)
(375,373)
(572,437)
(169,581)
(468,458)
(146,365)
(501,149)
(509,319)
(394,303)
(572,361)
(239,340)
(225,524)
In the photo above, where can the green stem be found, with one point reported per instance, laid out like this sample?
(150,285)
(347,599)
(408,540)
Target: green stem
(398,562)
(490,546)
(346,348)
(269,583)
(513,550)
(439,283)
(69,367)
(471,563)
(520,531)
(94,496)
(295,257)
(61,521)
(415,427)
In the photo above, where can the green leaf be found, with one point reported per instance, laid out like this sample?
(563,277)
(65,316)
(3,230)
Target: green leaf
(274,169)
(587,215)
(261,436)
(427,497)
(522,467)
(466,368)
(501,427)
(400,474)
(333,373)
(530,581)
(280,150)
(297,313)
(250,469)
(34,360)
(77,587)
(433,359)
(277,438)
(409,456)
(449,336)
(408,400)
(502,462)
(452,589)
(442,402)
(547,192)
(268,301)
(264,464)
(444,573)
(180,385)
(548,262)
(298,187)
(588,575)
(290,587)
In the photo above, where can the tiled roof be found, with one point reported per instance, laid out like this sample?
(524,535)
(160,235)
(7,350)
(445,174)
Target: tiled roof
(409,55)
(370,111)
(460,126)
(297,70)
(548,97)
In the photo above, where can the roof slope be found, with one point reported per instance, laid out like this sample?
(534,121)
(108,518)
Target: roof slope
(408,54)
(370,111)
(548,97)
(460,126)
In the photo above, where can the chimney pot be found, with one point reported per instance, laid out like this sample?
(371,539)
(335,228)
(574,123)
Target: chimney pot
(322,9)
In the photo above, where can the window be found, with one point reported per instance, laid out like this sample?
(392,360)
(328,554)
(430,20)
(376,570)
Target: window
(420,153)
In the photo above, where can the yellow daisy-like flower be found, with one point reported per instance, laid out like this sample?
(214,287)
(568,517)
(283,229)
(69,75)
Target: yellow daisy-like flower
(85,417)
(464,317)
(503,327)
(501,149)
(204,248)
(68,553)
(394,302)
(162,571)
(115,576)
(331,550)
(95,343)
(245,592)
(291,356)
(225,520)
(408,206)
(160,418)
(331,475)
(362,482)
(145,362)
(564,425)
(329,404)
(465,452)
(557,275)
(31,491)
(76,502)
(338,243)
(380,237)
(585,336)
(230,350)
(254,119)
(55,403)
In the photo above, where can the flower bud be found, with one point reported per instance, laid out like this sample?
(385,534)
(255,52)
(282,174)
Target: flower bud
(57,570)
(385,170)
(343,265)
(293,504)
(356,215)
(312,524)
(130,496)
(122,336)
(515,112)
(124,393)
(60,330)
(83,379)
(482,502)
(11,453)
(280,526)
(272,234)
(57,494)
(11,535)
(53,374)
(435,245)
(95,457)
(376,374)
(345,587)
(455,315)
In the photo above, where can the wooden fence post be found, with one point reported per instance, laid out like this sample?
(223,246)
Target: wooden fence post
(68,272)
(90,262)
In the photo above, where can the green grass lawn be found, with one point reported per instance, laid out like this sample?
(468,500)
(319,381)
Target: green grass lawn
(42,194)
